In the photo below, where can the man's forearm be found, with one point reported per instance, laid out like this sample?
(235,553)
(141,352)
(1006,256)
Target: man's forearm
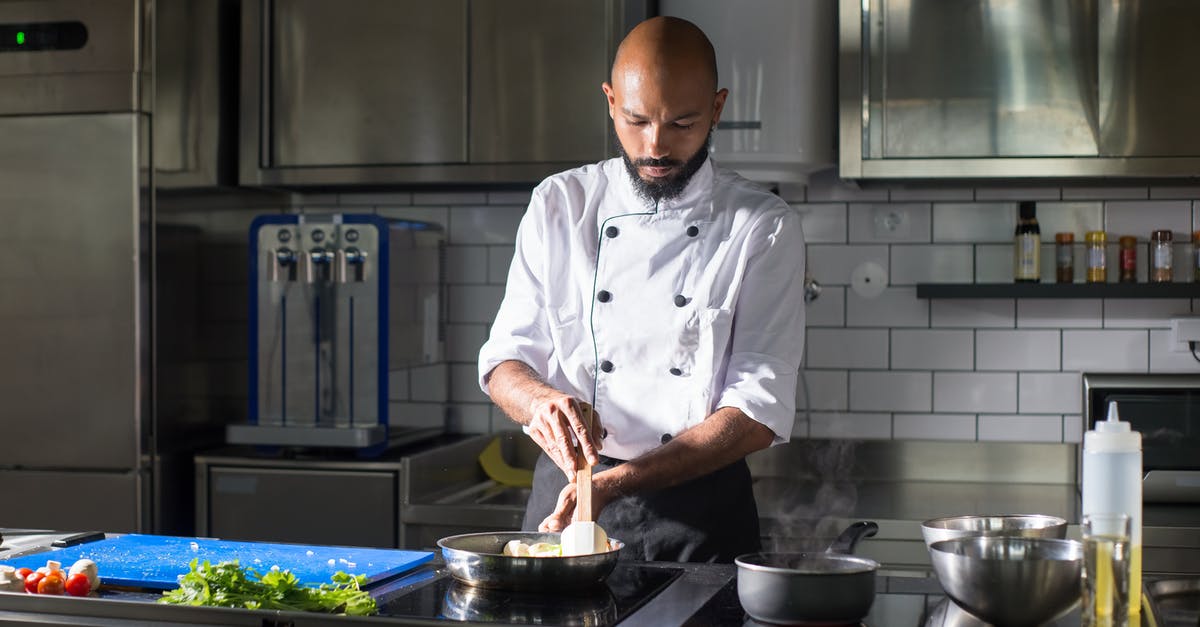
(516,388)
(723,438)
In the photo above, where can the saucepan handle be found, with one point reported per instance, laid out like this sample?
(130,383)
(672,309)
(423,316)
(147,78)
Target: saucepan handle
(849,538)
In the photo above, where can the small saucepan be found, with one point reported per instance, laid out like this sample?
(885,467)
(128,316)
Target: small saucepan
(800,588)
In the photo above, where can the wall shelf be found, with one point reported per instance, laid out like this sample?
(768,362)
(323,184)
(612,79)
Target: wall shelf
(1058,290)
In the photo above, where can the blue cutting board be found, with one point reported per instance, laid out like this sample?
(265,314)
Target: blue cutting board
(149,561)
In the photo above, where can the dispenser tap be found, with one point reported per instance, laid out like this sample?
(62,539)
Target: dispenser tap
(282,264)
(352,265)
(319,263)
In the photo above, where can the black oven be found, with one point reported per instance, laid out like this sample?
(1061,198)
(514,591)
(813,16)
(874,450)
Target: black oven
(1165,408)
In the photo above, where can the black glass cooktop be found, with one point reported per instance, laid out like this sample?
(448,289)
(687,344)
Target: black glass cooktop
(626,589)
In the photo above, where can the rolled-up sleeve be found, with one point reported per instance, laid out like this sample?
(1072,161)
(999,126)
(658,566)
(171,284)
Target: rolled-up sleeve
(767,342)
(520,331)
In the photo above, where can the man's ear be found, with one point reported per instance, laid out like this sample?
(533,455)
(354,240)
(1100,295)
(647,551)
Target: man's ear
(612,99)
(718,106)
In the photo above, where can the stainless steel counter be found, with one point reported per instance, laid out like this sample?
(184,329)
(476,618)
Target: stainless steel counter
(815,487)
(810,489)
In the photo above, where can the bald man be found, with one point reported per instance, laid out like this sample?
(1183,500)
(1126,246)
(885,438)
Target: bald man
(666,294)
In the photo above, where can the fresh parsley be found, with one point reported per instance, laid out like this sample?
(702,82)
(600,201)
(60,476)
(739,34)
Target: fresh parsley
(227,584)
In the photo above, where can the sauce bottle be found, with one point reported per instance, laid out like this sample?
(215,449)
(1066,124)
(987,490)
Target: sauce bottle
(1027,246)
(1112,483)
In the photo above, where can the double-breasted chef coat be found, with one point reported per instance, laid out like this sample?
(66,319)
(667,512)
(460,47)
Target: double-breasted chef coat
(658,314)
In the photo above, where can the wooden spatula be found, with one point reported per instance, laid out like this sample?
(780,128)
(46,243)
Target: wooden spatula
(583,536)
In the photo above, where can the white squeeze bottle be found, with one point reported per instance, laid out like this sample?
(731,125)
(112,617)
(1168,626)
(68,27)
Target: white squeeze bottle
(1112,482)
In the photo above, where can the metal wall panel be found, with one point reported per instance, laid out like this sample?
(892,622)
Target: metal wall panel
(983,79)
(111,502)
(367,82)
(1018,88)
(536,70)
(1148,106)
(305,506)
(73,274)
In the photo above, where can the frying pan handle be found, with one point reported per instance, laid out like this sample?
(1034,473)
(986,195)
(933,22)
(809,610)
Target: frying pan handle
(849,538)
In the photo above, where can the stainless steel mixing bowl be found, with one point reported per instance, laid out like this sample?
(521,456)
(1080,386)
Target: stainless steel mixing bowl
(1010,580)
(1022,525)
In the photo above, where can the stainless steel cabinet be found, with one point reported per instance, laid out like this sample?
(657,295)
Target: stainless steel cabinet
(398,91)
(366,82)
(1018,89)
(195,145)
(536,69)
(313,501)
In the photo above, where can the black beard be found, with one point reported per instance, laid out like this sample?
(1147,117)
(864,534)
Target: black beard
(672,186)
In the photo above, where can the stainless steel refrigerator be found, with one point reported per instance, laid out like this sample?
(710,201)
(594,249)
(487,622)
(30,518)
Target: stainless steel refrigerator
(79,443)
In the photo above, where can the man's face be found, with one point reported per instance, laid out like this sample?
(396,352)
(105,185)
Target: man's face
(663,124)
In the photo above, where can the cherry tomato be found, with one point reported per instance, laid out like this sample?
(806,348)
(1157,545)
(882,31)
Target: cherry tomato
(52,583)
(32,581)
(78,585)
(24,572)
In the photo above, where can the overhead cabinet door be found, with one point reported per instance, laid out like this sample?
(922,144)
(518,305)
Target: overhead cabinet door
(366,82)
(528,103)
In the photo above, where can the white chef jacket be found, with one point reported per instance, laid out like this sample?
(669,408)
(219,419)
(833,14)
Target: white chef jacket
(656,315)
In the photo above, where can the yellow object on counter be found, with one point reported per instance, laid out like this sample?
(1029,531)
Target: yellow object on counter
(500,471)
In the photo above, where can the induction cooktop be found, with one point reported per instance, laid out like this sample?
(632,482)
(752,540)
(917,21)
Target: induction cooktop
(443,598)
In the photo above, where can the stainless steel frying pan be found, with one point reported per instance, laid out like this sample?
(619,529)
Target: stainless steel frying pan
(476,559)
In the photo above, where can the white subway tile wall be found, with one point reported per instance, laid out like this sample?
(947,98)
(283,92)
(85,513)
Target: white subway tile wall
(912,264)
(859,426)
(826,390)
(846,348)
(976,392)
(994,263)
(934,426)
(1022,428)
(974,222)
(899,391)
(1106,351)
(1141,217)
(823,223)
(889,222)
(833,264)
(932,349)
(895,307)
(1059,313)
(1017,350)
(889,366)
(1049,392)
(829,310)
(971,312)
(1138,313)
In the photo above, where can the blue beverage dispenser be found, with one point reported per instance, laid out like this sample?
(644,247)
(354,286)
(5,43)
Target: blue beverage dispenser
(338,304)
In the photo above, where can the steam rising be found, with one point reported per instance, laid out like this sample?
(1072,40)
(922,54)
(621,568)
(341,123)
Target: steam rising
(809,519)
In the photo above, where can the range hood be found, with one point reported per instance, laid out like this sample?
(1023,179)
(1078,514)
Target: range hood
(1019,88)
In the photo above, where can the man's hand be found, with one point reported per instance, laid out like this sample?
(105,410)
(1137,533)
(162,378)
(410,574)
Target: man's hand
(564,511)
(551,415)
(554,418)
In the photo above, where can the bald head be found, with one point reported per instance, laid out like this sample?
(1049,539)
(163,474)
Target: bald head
(666,49)
(664,103)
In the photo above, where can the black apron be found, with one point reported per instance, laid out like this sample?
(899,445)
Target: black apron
(708,519)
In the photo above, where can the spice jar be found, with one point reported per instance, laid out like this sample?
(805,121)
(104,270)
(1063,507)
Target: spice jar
(1064,257)
(1097,262)
(1160,256)
(1128,258)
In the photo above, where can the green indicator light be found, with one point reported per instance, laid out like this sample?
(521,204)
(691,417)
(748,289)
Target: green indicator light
(20,38)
